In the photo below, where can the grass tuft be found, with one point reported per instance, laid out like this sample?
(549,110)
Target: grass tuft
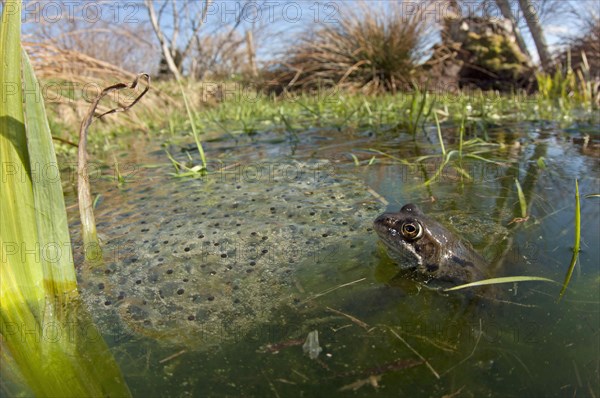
(370,49)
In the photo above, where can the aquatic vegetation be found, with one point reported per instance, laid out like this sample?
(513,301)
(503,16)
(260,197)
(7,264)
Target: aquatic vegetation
(567,90)
(495,281)
(193,125)
(470,149)
(522,200)
(576,246)
(415,113)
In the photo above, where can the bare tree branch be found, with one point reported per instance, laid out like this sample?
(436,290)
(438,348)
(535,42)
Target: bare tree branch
(162,40)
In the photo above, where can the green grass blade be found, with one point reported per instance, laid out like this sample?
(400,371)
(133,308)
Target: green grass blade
(49,203)
(522,200)
(461,134)
(439,133)
(447,159)
(576,247)
(194,130)
(16,195)
(37,278)
(495,281)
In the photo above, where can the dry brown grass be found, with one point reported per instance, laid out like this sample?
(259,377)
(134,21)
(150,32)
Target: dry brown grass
(71,79)
(371,49)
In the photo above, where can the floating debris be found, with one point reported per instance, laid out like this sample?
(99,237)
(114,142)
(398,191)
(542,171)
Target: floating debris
(311,346)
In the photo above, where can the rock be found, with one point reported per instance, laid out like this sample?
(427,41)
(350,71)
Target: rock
(482,53)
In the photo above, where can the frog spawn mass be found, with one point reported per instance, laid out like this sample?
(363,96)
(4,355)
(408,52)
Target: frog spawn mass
(204,260)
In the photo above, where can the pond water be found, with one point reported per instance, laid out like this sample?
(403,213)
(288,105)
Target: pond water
(211,285)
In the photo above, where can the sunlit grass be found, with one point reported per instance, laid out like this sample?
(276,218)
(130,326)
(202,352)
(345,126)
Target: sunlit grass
(44,340)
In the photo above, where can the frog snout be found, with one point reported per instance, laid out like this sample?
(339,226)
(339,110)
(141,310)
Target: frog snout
(386,220)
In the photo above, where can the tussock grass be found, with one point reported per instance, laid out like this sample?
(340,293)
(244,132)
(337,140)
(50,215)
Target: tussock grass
(370,49)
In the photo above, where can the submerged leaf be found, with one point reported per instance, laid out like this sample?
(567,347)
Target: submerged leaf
(495,281)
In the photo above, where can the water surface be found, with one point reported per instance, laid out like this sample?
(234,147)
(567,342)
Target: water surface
(212,284)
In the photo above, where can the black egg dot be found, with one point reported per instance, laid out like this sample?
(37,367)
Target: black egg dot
(249,270)
(107,302)
(185,279)
(253,263)
(101,286)
(325,235)
(264,251)
(180,291)
(201,236)
(264,238)
(211,298)
(169,271)
(187,249)
(165,241)
(138,282)
(253,233)
(236,301)
(107,271)
(224,255)
(191,318)
(217,243)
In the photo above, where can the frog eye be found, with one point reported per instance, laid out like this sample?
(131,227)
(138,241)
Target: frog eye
(412,230)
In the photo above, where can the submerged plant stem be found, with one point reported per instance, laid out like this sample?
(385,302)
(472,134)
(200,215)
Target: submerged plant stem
(577,242)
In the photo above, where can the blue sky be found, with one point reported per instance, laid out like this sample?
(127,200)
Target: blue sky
(283,18)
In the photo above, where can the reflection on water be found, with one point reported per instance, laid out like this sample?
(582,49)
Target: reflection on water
(213,285)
